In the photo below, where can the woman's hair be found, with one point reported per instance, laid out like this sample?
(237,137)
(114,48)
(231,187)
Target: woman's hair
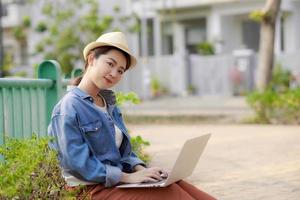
(97,52)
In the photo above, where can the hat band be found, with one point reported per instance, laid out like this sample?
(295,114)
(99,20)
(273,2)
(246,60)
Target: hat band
(121,46)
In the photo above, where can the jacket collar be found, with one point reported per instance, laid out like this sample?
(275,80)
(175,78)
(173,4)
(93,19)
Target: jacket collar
(110,99)
(108,95)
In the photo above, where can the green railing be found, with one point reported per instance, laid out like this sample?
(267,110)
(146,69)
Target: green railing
(26,104)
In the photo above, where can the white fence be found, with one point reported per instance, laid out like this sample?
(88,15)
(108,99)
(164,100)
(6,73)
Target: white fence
(290,61)
(220,75)
(170,71)
(210,75)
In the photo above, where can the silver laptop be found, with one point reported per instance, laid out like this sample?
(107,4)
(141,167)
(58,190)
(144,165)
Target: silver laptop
(184,165)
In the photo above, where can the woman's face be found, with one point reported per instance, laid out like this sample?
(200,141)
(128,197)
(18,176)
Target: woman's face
(107,70)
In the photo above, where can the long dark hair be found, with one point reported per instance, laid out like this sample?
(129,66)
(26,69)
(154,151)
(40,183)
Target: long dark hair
(97,52)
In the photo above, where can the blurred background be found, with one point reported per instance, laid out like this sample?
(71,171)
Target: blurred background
(226,67)
(190,47)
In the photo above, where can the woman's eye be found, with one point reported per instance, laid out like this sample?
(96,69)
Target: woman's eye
(121,72)
(110,64)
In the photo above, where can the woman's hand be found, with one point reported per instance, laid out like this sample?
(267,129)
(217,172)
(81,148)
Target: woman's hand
(138,168)
(152,174)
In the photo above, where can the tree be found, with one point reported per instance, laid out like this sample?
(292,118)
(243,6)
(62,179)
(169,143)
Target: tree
(66,31)
(67,26)
(267,16)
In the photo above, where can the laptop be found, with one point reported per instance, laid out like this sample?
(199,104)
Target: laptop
(184,165)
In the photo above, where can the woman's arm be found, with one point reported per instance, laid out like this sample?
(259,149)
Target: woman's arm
(138,168)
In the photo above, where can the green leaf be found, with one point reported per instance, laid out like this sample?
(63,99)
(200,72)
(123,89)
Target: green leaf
(47,9)
(19,33)
(41,27)
(257,15)
(129,97)
(206,48)
(30,170)
(26,21)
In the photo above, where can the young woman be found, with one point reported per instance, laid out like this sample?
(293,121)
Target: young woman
(91,139)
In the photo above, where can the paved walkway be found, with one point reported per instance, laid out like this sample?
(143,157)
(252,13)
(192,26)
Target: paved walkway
(245,162)
(231,107)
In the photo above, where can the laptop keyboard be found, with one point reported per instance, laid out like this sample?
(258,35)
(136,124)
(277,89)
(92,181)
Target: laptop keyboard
(155,182)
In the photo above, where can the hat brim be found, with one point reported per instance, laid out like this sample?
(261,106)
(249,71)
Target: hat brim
(94,45)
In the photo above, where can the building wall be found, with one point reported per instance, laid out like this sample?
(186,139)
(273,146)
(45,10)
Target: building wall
(13,16)
(292,26)
(227,25)
(224,19)
(223,27)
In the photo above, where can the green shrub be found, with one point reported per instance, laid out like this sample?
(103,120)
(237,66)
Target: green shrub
(281,79)
(206,48)
(279,104)
(276,107)
(129,97)
(41,27)
(157,89)
(138,145)
(26,21)
(29,170)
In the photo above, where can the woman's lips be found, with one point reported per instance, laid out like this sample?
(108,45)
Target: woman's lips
(107,80)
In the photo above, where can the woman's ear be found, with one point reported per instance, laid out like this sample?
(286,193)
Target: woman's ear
(90,59)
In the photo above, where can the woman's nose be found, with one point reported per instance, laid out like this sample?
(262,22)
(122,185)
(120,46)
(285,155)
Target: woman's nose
(114,73)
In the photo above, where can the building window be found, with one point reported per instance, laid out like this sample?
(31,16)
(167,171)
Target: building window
(282,35)
(195,33)
(167,45)
(150,38)
(167,38)
(4,11)
(250,34)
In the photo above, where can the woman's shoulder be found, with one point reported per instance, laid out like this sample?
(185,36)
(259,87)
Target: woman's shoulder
(67,105)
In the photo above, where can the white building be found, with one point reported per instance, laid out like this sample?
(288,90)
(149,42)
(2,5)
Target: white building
(169,34)
(176,26)
(171,30)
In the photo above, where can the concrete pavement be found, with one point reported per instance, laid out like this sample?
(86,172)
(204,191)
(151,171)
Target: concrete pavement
(231,108)
(246,162)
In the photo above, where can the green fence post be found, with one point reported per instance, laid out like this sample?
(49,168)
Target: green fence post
(76,72)
(2,135)
(50,69)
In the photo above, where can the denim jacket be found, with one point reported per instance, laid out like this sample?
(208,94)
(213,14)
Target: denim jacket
(84,137)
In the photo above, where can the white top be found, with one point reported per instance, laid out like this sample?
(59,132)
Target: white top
(72,180)
(118,132)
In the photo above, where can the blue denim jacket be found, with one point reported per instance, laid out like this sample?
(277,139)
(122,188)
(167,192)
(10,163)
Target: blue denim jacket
(85,138)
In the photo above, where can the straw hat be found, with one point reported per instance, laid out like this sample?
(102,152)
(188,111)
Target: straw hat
(115,39)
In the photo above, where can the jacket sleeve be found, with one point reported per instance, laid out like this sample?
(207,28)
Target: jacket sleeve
(74,153)
(131,161)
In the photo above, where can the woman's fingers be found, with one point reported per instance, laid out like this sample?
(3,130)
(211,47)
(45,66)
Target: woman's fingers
(154,175)
(156,170)
(164,174)
(149,179)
